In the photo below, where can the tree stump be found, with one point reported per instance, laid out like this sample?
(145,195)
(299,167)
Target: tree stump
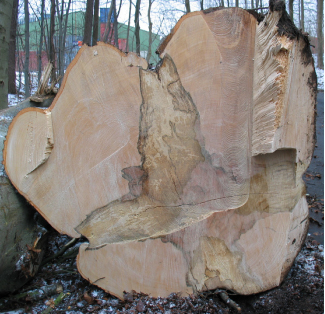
(185,178)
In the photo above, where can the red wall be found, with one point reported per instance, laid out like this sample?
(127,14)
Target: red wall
(20,60)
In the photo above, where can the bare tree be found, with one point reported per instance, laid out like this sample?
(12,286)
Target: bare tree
(302,16)
(51,43)
(115,28)
(95,22)
(187,6)
(12,50)
(41,42)
(128,31)
(26,68)
(65,31)
(5,21)
(137,25)
(150,31)
(320,34)
(291,9)
(88,22)
(108,24)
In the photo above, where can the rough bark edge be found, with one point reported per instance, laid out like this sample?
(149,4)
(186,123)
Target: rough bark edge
(93,283)
(167,39)
(288,28)
(173,31)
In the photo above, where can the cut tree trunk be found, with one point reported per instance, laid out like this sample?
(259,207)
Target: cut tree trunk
(185,178)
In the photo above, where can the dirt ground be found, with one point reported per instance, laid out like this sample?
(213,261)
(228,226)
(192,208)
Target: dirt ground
(301,292)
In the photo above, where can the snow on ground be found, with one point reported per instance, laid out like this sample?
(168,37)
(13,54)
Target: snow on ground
(320,75)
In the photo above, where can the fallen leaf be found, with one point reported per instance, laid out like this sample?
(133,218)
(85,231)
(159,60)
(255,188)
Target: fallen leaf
(88,298)
(140,306)
(50,303)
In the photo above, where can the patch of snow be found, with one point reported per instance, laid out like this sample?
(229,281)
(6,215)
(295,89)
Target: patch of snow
(19,311)
(319,74)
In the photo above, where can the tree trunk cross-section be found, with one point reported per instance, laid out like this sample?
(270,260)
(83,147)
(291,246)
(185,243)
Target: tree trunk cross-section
(185,178)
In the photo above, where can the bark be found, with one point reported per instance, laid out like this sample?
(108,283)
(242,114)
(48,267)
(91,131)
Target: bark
(128,29)
(201,5)
(320,34)
(60,50)
(51,40)
(41,42)
(64,36)
(291,9)
(96,20)
(237,3)
(26,67)
(187,6)
(12,50)
(150,32)
(191,169)
(5,22)
(115,25)
(108,24)
(88,22)
(137,26)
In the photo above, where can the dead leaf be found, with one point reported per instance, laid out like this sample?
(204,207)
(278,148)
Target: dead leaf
(50,303)
(88,298)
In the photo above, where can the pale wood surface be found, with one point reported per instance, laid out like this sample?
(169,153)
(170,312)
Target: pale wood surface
(191,179)
(95,120)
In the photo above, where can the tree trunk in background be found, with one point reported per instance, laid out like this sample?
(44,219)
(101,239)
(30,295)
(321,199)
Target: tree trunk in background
(64,35)
(150,31)
(201,5)
(115,24)
(320,34)
(26,67)
(5,21)
(95,23)
(88,22)
(302,18)
(12,50)
(137,26)
(51,44)
(60,19)
(291,9)
(41,42)
(252,4)
(108,24)
(187,6)
(129,21)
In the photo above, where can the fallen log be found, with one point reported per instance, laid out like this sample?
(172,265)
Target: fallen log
(185,178)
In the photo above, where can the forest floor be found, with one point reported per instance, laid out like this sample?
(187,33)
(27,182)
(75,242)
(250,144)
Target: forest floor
(301,292)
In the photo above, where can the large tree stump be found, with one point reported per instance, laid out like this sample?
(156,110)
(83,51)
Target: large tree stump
(185,178)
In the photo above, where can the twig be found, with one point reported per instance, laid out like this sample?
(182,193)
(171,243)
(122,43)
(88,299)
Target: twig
(57,301)
(37,294)
(225,298)
(61,252)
